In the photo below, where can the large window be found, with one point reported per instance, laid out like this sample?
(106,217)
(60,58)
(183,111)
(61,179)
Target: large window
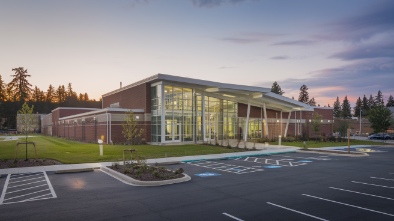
(181,114)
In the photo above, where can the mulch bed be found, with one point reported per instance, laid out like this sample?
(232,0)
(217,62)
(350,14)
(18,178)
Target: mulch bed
(146,172)
(29,163)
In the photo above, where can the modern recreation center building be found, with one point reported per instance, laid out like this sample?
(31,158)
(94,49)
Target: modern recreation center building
(174,109)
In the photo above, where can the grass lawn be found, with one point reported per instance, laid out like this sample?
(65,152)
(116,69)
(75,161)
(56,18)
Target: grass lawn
(313,144)
(67,151)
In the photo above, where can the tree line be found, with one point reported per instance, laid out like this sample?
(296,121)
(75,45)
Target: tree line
(373,108)
(19,90)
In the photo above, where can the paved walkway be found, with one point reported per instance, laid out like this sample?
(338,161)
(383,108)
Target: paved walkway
(261,151)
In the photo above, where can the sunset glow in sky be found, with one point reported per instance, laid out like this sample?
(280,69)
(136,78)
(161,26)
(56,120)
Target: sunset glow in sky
(335,47)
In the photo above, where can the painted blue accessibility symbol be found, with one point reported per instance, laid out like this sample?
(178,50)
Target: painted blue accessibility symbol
(272,166)
(207,174)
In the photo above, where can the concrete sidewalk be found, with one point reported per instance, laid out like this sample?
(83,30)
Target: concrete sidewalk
(268,150)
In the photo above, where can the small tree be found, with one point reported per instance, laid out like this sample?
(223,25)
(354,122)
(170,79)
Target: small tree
(26,120)
(315,124)
(131,132)
(380,118)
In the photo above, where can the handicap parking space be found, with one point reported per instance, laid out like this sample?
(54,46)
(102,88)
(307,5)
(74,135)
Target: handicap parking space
(252,164)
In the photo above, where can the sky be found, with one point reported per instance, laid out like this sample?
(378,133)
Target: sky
(336,48)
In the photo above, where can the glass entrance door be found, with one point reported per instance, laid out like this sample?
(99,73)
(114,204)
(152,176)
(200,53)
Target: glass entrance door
(173,130)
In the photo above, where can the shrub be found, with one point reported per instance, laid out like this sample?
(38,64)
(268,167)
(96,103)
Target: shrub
(179,171)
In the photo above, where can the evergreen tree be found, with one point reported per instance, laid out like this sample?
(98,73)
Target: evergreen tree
(371,102)
(277,89)
(86,97)
(80,97)
(390,101)
(337,108)
(36,96)
(61,94)
(304,94)
(346,109)
(20,85)
(379,98)
(380,118)
(312,102)
(358,107)
(365,106)
(2,90)
(51,94)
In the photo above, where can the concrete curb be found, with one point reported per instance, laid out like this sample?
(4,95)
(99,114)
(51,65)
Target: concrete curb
(336,152)
(75,170)
(135,182)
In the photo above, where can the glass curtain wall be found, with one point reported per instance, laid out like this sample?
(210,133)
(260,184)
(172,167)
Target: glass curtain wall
(184,113)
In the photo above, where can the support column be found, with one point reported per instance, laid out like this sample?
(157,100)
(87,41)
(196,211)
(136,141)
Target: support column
(287,124)
(281,122)
(162,117)
(266,121)
(247,123)
(203,117)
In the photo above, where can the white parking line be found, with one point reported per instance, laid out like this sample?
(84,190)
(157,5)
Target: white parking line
(18,177)
(231,216)
(391,187)
(4,189)
(26,184)
(358,207)
(381,178)
(26,188)
(26,194)
(25,180)
(367,194)
(297,211)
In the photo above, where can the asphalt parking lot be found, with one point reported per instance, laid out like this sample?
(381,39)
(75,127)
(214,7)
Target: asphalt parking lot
(293,186)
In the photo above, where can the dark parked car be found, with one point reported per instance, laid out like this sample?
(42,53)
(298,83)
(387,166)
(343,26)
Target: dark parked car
(380,136)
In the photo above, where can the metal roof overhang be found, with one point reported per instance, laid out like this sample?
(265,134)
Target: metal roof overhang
(256,96)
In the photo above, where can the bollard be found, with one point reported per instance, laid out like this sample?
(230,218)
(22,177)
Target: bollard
(100,142)
(280,140)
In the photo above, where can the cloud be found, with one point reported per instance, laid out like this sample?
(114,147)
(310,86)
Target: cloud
(280,58)
(376,19)
(354,80)
(297,43)
(214,3)
(382,48)
(250,37)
